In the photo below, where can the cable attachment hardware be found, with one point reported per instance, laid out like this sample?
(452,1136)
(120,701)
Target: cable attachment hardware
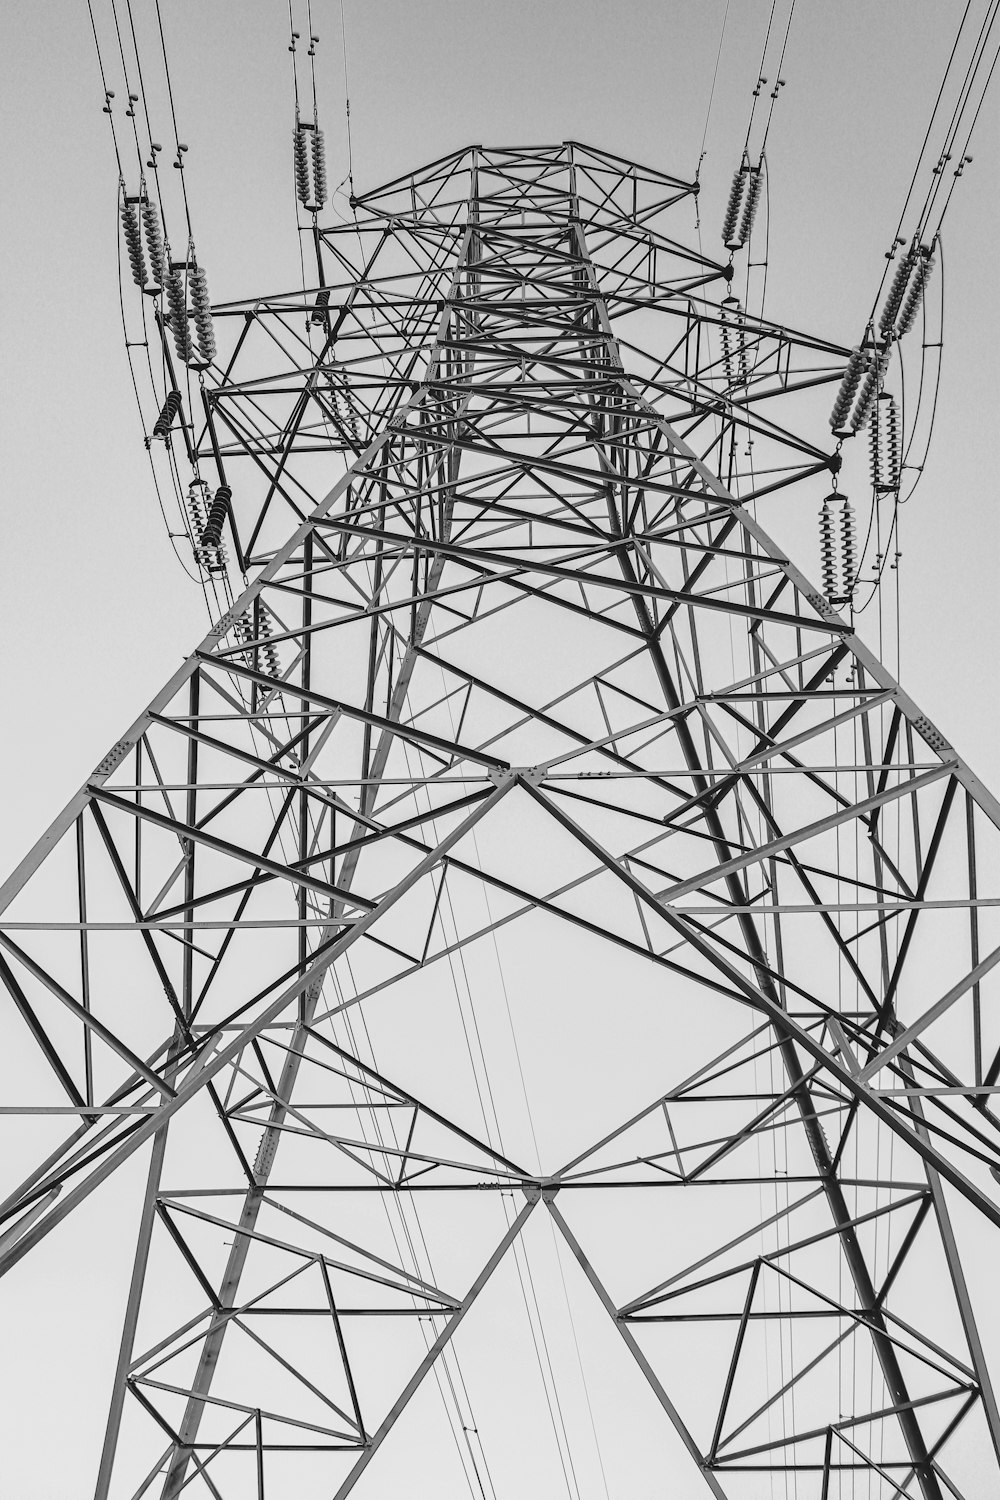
(741,208)
(883,438)
(168,411)
(309,155)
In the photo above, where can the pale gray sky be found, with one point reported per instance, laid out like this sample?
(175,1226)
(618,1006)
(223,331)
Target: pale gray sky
(95,611)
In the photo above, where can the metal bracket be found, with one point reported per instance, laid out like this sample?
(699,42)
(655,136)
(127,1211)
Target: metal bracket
(504,775)
(114,757)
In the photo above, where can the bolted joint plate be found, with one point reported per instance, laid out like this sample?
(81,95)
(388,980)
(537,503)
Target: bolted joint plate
(544,1189)
(504,775)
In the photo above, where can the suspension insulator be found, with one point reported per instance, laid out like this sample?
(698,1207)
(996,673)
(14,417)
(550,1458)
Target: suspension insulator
(883,434)
(346,416)
(726,310)
(321,309)
(734,205)
(848,387)
(733,336)
(270,661)
(196,511)
(915,295)
(217,513)
(870,387)
(168,412)
(201,307)
(211,558)
(133,242)
(848,551)
(261,654)
(173,283)
(155,248)
(741,347)
(301,147)
(894,297)
(319,167)
(750,204)
(243,631)
(828,549)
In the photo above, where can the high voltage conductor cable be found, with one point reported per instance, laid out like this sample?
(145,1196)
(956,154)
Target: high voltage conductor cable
(761,80)
(347,99)
(313,40)
(293,38)
(905,296)
(923,148)
(484,1093)
(108,93)
(139,222)
(949,152)
(779,81)
(153,272)
(711,94)
(961,104)
(309,148)
(133,99)
(181,148)
(744,195)
(154,147)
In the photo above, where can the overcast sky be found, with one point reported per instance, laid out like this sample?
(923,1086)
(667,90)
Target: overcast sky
(96,612)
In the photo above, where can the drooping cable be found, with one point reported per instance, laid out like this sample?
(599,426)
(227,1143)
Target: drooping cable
(761,80)
(347,99)
(711,94)
(108,93)
(779,82)
(181,148)
(955,124)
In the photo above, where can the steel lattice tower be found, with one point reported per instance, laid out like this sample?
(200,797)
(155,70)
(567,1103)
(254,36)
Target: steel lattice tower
(530,680)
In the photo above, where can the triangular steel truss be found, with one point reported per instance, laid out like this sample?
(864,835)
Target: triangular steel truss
(530,677)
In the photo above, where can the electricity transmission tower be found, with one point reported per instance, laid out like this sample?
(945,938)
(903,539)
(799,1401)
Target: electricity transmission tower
(527,761)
